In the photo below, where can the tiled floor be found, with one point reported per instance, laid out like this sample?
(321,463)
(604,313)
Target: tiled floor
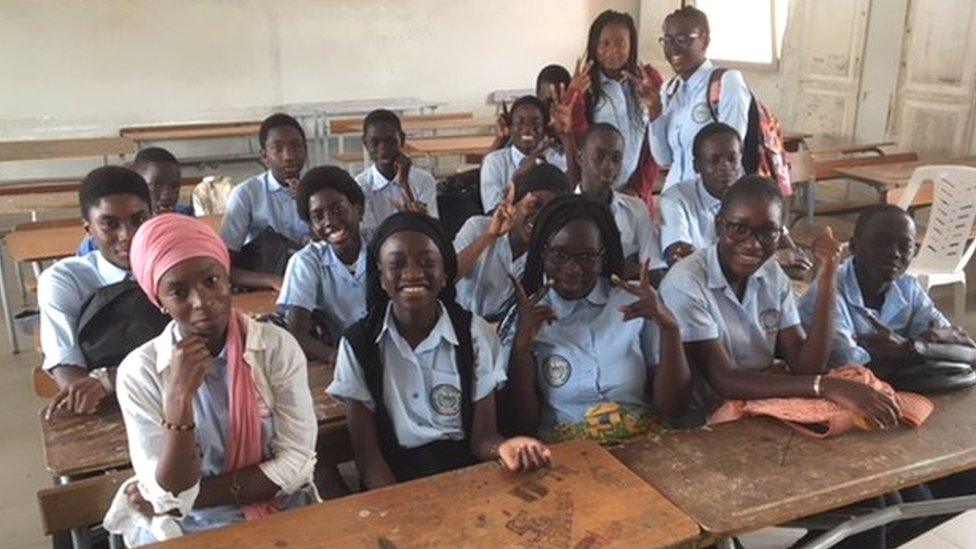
(22,470)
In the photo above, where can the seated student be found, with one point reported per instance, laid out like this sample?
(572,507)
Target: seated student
(217,408)
(689,207)
(600,160)
(873,289)
(261,225)
(529,146)
(114,202)
(392,183)
(485,258)
(738,315)
(161,171)
(328,275)
(418,374)
(549,81)
(583,338)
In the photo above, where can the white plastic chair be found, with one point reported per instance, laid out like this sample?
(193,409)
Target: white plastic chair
(948,244)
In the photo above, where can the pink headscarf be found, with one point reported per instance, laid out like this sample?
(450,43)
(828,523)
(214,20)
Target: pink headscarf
(159,245)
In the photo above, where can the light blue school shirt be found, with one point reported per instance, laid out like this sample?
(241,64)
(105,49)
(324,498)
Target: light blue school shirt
(316,279)
(617,107)
(487,291)
(907,310)
(590,356)
(687,112)
(498,167)
(62,289)
(421,385)
(638,236)
(688,214)
(261,201)
(382,194)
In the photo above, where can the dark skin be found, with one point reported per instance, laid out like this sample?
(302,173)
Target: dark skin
(196,293)
(515,220)
(284,154)
(719,163)
(882,254)
(573,264)
(384,143)
(335,220)
(613,50)
(744,245)
(111,222)
(164,181)
(684,60)
(412,274)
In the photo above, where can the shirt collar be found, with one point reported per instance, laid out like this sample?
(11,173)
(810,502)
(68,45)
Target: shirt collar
(256,340)
(109,272)
(271,183)
(377,180)
(331,259)
(443,329)
(515,155)
(702,73)
(713,269)
(894,299)
(563,308)
(705,198)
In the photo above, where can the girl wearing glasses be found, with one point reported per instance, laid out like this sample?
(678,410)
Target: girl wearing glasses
(738,315)
(590,353)
(682,103)
(327,278)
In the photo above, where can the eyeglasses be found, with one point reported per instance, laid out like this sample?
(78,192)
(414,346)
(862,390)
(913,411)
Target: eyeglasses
(739,232)
(587,260)
(680,40)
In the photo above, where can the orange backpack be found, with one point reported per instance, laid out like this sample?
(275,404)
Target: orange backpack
(762,146)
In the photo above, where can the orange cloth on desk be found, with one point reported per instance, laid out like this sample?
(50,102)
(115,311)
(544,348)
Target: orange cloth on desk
(822,418)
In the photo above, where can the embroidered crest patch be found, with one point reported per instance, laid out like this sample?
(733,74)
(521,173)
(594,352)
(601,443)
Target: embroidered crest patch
(556,370)
(446,399)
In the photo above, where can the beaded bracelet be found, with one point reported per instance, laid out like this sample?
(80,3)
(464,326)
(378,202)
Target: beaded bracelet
(177,427)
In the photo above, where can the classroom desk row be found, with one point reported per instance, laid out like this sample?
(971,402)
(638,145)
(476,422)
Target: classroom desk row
(725,480)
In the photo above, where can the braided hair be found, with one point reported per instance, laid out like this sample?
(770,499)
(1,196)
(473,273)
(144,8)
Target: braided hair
(596,93)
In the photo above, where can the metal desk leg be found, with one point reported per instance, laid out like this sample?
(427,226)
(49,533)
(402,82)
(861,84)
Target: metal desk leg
(7,311)
(725,543)
(811,199)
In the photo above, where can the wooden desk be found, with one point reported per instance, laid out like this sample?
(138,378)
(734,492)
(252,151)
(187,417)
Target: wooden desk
(74,445)
(192,131)
(450,146)
(588,500)
(410,123)
(255,303)
(47,149)
(888,177)
(754,473)
(44,244)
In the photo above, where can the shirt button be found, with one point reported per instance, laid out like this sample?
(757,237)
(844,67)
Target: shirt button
(416,396)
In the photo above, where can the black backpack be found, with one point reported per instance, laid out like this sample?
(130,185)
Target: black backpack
(268,252)
(458,198)
(114,321)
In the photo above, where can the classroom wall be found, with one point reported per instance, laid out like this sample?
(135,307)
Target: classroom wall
(89,67)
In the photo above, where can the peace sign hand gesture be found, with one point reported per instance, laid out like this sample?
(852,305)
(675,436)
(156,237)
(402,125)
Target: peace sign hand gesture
(503,123)
(581,81)
(531,315)
(409,203)
(504,216)
(561,118)
(648,305)
(648,87)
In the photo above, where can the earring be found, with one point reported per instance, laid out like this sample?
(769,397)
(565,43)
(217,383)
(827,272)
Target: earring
(163,310)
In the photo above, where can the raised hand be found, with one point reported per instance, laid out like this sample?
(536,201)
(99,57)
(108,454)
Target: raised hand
(581,81)
(292,185)
(561,115)
(409,202)
(648,87)
(403,164)
(504,216)
(648,304)
(188,367)
(503,123)
(531,315)
(532,159)
(524,454)
(828,251)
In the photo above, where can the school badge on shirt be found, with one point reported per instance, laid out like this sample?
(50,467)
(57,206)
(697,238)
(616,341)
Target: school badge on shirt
(769,320)
(700,113)
(446,399)
(556,370)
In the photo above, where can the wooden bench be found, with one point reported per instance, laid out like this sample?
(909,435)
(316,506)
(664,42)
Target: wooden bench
(192,131)
(80,503)
(418,122)
(50,149)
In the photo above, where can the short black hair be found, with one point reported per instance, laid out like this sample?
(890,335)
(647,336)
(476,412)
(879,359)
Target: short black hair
(382,116)
(542,177)
(868,216)
(326,177)
(109,180)
(553,74)
(531,100)
(696,16)
(277,120)
(556,215)
(153,155)
(599,127)
(709,130)
(751,187)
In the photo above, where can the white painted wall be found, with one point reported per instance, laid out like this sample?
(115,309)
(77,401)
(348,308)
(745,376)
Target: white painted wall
(88,67)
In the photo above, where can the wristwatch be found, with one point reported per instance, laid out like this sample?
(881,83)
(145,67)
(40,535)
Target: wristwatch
(101,374)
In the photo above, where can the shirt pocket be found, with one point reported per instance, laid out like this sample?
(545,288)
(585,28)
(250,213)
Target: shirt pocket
(444,398)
